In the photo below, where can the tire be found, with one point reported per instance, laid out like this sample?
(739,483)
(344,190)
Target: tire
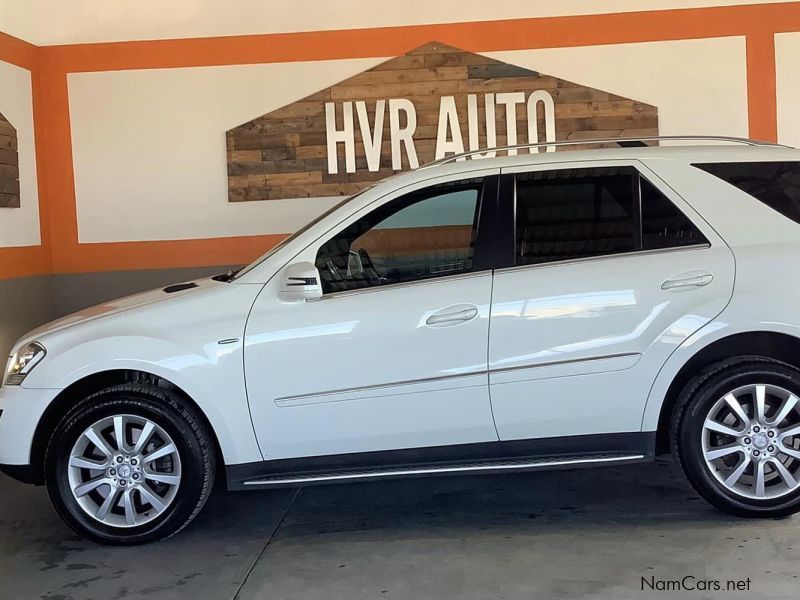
(693,438)
(139,513)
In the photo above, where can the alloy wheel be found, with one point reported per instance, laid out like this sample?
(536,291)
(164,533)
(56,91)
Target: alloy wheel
(751,441)
(124,470)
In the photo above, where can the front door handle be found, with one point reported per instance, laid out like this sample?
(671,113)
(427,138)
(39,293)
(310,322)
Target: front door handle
(452,315)
(688,280)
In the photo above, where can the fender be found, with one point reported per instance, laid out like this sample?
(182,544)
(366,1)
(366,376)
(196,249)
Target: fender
(712,332)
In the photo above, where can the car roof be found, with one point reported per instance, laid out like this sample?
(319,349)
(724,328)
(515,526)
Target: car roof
(699,153)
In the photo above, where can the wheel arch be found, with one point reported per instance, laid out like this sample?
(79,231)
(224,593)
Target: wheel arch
(95,382)
(770,344)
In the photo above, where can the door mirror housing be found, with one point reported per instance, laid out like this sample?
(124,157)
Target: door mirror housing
(301,283)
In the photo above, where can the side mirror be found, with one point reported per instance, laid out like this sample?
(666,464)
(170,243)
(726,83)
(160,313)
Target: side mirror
(301,283)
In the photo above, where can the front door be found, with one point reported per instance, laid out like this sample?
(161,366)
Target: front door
(610,272)
(394,355)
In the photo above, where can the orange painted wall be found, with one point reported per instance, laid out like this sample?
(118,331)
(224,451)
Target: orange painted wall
(60,251)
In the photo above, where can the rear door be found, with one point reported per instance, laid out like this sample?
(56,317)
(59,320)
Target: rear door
(603,272)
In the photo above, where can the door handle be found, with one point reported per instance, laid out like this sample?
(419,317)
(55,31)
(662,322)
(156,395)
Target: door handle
(694,280)
(442,319)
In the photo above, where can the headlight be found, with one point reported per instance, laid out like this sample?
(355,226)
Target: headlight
(23,361)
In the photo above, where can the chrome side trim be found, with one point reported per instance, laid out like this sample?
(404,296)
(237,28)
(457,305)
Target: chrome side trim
(562,362)
(296,400)
(572,261)
(394,286)
(486,468)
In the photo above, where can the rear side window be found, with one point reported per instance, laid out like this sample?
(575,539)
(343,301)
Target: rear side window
(579,213)
(776,184)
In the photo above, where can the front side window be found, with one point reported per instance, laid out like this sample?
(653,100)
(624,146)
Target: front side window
(586,212)
(424,234)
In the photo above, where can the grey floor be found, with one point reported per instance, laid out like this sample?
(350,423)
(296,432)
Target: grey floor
(568,534)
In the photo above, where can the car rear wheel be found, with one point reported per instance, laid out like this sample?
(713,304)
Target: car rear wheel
(130,464)
(736,432)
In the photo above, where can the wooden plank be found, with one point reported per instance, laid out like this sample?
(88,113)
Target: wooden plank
(8,157)
(9,200)
(9,186)
(9,172)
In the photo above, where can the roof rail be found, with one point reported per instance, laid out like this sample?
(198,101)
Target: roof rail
(622,141)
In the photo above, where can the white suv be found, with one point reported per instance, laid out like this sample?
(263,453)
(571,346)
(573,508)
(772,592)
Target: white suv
(475,316)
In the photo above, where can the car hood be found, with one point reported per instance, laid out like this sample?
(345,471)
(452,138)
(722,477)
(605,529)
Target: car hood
(121,305)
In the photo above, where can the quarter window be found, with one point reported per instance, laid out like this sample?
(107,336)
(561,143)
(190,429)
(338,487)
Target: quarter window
(580,213)
(776,184)
(425,234)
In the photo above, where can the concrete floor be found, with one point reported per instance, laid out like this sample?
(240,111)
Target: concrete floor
(566,534)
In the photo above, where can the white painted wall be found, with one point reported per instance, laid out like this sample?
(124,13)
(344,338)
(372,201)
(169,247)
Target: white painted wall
(149,147)
(787,66)
(699,86)
(20,226)
(80,21)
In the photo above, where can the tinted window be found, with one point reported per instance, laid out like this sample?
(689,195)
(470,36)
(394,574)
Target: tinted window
(776,184)
(663,225)
(574,214)
(424,234)
(579,213)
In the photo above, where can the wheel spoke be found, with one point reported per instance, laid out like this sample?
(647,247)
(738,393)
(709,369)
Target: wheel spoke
(785,409)
(167,478)
(80,462)
(761,395)
(147,431)
(151,498)
(108,504)
(789,432)
(97,439)
(127,503)
(789,451)
(737,472)
(119,432)
(787,477)
(759,478)
(737,409)
(720,451)
(720,428)
(165,450)
(90,485)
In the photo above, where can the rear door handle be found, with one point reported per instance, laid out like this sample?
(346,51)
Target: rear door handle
(688,280)
(443,318)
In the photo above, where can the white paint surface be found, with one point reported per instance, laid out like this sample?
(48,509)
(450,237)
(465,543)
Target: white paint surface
(149,146)
(699,86)
(20,226)
(787,63)
(80,21)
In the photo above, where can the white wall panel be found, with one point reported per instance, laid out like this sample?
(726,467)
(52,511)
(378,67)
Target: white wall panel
(699,86)
(149,148)
(787,66)
(20,226)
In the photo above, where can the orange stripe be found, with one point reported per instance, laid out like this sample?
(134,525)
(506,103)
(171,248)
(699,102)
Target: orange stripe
(756,22)
(762,103)
(128,256)
(25,261)
(17,52)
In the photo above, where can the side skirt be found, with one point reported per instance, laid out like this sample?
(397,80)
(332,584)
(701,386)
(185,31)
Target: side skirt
(466,459)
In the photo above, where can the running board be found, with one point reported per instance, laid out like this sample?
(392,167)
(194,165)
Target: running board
(473,468)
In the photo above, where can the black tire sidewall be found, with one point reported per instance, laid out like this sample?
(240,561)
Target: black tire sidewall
(689,437)
(115,402)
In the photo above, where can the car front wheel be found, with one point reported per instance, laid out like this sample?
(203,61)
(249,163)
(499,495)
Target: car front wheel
(129,464)
(736,432)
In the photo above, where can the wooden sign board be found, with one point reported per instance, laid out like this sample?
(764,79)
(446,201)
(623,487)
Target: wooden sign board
(9,165)
(434,101)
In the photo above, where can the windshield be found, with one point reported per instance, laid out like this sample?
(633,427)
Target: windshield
(297,233)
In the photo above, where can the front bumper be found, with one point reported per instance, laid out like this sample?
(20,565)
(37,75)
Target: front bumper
(22,408)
